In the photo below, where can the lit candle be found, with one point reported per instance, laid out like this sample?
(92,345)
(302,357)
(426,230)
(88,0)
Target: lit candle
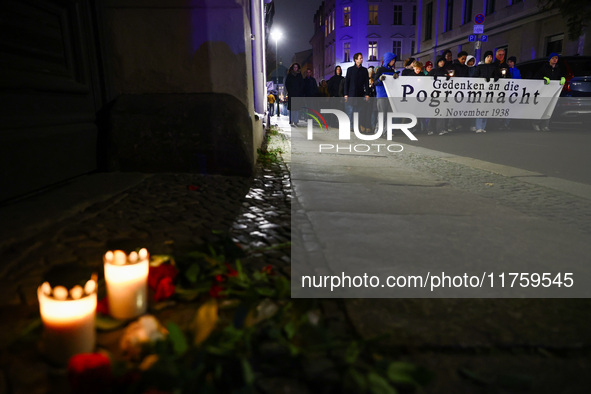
(68,320)
(127,283)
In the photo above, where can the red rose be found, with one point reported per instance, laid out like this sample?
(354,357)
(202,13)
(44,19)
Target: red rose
(231,271)
(164,290)
(158,273)
(268,269)
(89,373)
(215,290)
(220,278)
(102,306)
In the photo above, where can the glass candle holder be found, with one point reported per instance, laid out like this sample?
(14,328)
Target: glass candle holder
(68,320)
(127,283)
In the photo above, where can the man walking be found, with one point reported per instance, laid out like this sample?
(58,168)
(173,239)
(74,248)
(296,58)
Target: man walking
(356,85)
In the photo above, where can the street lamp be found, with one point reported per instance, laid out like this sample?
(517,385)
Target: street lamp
(276,35)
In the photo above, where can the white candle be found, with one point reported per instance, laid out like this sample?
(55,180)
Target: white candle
(127,283)
(68,320)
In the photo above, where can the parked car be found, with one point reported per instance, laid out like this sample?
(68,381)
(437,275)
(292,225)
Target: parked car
(575,99)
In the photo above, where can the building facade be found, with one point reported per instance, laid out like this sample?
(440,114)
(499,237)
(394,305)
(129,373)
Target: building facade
(521,27)
(372,28)
(130,85)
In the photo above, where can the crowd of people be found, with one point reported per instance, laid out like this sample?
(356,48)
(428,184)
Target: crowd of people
(363,82)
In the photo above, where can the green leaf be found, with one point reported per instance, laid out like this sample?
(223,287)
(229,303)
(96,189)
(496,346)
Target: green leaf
(192,273)
(379,385)
(247,372)
(107,323)
(475,377)
(352,353)
(402,373)
(515,381)
(359,380)
(265,291)
(178,339)
(290,329)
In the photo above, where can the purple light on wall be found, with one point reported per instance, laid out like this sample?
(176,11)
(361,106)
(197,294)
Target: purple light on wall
(205,27)
(533,53)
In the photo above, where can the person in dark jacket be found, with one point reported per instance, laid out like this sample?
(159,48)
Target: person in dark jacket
(448,56)
(515,74)
(387,68)
(459,65)
(294,84)
(486,70)
(356,85)
(439,125)
(357,79)
(335,81)
(408,70)
(310,84)
(548,72)
(502,64)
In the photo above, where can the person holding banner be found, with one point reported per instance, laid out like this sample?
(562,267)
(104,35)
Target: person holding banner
(486,70)
(439,71)
(549,71)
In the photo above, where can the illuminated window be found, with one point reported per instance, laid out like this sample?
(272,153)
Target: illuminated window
(397,15)
(397,48)
(347,52)
(347,14)
(333,20)
(373,51)
(373,14)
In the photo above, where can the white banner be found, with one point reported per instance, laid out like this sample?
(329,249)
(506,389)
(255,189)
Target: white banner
(428,97)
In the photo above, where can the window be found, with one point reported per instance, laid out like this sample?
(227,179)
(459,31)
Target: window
(397,48)
(347,14)
(325,27)
(373,14)
(490,7)
(449,15)
(397,15)
(429,21)
(373,51)
(329,23)
(467,11)
(333,20)
(517,1)
(414,15)
(412,47)
(347,52)
(554,44)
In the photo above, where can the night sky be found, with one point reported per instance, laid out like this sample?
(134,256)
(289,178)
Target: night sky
(296,20)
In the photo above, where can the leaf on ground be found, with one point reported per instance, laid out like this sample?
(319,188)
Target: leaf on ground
(176,336)
(402,373)
(205,320)
(107,323)
(474,376)
(379,385)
